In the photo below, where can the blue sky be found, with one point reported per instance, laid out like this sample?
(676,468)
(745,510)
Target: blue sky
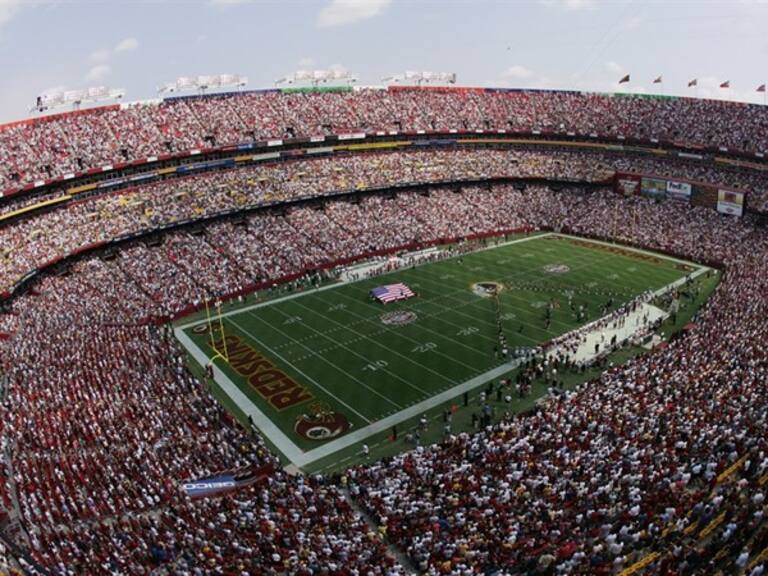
(571,44)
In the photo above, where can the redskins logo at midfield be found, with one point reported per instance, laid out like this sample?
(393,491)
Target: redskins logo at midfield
(557,268)
(487,289)
(398,317)
(321,423)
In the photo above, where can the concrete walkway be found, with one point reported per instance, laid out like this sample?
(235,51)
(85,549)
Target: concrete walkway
(626,326)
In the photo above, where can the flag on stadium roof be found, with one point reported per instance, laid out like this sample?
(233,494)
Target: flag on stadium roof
(392,293)
(694,82)
(625,79)
(658,80)
(761,88)
(726,84)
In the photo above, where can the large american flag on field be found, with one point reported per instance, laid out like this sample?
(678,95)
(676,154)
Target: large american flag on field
(392,293)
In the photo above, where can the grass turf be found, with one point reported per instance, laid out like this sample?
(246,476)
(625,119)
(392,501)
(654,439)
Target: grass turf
(333,344)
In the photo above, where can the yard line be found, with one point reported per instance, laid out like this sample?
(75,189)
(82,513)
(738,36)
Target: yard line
(404,271)
(314,353)
(502,279)
(421,326)
(348,349)
(587,261)
(363,320)
(419,364)
(474,304)
(300,371)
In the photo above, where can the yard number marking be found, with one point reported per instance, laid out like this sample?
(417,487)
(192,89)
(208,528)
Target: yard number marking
(468,331)
(376,366)
(428,347)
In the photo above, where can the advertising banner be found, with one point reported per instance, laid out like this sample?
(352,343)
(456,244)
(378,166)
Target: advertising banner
(225,482)
(704,195)
(653,188)
(678,190)
(627,184)
(730,202)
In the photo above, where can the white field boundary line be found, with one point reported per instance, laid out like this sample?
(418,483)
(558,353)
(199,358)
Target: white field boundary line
(406,414)
(534,236)
(268,428)
(680,281)
(299,458)
(365,358)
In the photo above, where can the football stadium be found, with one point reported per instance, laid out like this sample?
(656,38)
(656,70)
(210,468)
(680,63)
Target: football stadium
(359,326)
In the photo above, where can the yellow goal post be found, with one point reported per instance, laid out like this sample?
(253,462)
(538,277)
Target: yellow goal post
(216,323)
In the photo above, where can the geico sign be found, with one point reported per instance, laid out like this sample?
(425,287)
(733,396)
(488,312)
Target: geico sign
(207,486)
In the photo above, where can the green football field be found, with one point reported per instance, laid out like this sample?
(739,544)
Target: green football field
(320,370)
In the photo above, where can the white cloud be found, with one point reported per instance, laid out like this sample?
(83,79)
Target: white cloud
(127,45)
(571,5)
(98,72)
(103,55)
(229,2)
(8,9)
(578,4)
(614,67)
(517,71)
(342,12)
(306,62)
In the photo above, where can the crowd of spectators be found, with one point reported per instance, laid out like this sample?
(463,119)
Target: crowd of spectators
(31,242)
(68,143)
(666,454)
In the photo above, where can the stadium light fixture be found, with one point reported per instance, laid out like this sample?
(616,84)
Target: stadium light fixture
(75,98)
(203,83)
(317,77)
(411,77)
